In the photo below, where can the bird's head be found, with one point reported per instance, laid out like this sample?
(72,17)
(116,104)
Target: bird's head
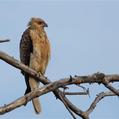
(37,22)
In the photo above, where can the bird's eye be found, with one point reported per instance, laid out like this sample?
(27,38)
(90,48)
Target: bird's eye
(39,22)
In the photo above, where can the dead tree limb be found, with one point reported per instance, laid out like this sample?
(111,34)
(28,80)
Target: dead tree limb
(98,98)
(49,86)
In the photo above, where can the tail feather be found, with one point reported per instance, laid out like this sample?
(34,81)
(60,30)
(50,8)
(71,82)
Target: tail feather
(36,105)
(28,89)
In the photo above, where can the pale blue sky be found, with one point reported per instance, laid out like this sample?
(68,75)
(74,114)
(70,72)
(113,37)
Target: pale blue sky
(85,39)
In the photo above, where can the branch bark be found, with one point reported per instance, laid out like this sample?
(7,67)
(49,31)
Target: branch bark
(49,86)
(99,98)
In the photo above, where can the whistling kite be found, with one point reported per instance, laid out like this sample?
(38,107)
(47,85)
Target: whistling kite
(35,53)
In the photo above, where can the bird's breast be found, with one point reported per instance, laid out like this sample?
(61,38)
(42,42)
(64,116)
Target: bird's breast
(41,53)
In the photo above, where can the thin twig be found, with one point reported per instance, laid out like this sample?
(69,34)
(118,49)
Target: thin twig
(75,93)
(7,40)
(98,98)
(110,87)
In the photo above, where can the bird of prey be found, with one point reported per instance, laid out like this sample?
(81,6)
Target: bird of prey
(35,53)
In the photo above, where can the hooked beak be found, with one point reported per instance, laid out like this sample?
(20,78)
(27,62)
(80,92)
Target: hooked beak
(45,25)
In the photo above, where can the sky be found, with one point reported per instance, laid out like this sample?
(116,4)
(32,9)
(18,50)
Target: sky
(84,37)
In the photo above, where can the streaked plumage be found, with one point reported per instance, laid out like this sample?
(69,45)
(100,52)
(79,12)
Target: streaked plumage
(35,52)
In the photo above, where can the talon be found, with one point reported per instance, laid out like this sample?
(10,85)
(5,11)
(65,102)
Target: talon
(64,87)
(70,79)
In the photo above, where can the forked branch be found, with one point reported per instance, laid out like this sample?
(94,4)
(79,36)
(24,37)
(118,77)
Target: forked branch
(49,86)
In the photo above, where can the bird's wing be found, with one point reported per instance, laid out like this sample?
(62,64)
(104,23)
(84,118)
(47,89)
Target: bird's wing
(26,47)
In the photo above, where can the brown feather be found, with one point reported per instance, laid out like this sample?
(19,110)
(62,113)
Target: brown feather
(35,52)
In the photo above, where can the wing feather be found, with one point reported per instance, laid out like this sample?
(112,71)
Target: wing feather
(26,47)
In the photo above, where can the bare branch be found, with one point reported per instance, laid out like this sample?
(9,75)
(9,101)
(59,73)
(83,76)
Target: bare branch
(108,85)
(66,105)
(23,100)
(76,110)
(75,80)
(59,94)
(6,40)
(53,86)
(76,93)
(99,98)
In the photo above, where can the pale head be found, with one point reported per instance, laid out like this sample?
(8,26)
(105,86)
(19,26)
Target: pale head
(38,22)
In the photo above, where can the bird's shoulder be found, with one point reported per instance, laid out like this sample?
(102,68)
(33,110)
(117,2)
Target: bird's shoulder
(26,47)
